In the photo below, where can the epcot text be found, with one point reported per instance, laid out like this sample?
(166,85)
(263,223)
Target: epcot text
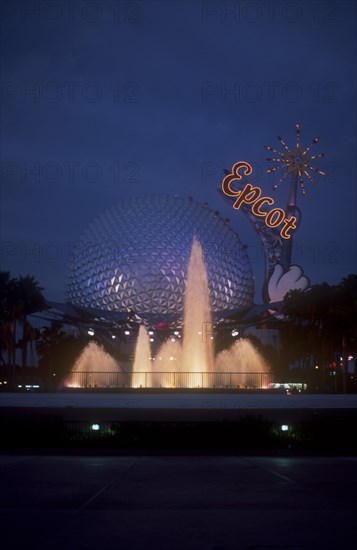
(251,195)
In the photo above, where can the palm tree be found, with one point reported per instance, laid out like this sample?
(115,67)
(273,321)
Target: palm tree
(28,299)
(7,321)
(345,314)
(322,320)
(19,298)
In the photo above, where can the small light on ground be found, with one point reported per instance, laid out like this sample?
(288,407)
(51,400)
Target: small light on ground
(284,427)
(95,427)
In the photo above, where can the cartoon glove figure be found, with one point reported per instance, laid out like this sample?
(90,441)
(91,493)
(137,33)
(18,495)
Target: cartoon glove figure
(281,282)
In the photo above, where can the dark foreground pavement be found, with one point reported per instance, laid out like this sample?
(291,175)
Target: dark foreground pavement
(177,502)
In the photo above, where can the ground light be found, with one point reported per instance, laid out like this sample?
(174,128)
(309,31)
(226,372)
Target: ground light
(284,427)
(28,386)
(95,427)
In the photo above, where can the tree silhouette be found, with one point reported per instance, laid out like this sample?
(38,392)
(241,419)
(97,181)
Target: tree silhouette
(19,297)
(320,322)
(29,299)
(7,343)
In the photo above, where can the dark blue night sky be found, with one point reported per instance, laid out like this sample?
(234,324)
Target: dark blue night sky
(105,100)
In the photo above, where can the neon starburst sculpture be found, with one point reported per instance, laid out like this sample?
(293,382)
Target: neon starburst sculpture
(295,163)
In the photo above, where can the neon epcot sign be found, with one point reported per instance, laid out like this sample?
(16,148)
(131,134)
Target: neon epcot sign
(252,195)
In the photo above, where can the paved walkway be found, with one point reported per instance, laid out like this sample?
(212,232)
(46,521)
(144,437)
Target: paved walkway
(198,407)
(177,503)
(179,400)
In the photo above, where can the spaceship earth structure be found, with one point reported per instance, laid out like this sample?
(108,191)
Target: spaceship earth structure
(134,257)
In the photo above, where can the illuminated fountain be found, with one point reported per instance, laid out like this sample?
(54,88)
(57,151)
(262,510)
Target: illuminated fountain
(192,364)
(197,348)
(246,366)
(142,363)
(187,365)
(166,365)
(94,368)
(176,365)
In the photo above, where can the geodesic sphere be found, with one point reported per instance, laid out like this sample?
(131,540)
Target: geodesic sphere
(135,255)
